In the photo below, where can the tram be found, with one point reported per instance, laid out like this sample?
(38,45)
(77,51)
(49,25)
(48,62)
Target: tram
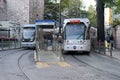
(28,36)
(76,35)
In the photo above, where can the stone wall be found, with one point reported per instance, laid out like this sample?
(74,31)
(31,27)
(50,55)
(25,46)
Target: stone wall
(18,11)
(23,11)
(36,10)
(3,10)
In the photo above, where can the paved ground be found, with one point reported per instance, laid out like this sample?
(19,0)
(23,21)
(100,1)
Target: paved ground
(86,68)
(115,53)
(70,69)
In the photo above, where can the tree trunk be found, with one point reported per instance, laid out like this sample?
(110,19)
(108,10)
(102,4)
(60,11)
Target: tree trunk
(100,21)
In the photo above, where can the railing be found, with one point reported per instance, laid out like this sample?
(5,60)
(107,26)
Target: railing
(57,47)
(9,43)
(102,48)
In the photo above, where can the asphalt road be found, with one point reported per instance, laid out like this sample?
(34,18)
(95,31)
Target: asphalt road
(19,65)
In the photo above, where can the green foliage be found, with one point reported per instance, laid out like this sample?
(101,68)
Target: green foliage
(116,6)
(72,7)
(51,10)
(115,22)
(14,36)
(92,15)
(113,3)
(64,4)
(109,3)
(117,9)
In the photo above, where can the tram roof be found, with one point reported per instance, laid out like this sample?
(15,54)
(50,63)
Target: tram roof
(26,25)
(85,20)
(45,22)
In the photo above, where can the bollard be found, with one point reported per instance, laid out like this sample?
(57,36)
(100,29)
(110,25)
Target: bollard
(99,47)
(61,57)
(104,50)
(14,43)
(2,44)
(111,50)
(9,43)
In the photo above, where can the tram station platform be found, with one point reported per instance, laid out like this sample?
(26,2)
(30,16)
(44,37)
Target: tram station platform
(47,56)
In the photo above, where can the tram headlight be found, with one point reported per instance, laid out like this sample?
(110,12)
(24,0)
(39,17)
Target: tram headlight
(31,39)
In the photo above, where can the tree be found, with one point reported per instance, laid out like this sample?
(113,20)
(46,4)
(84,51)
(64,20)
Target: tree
(92,15)
(116,22)
(117,5)
(100,20)
(100,17)
(51,10)
(109,3)
(116,12)
(72,8)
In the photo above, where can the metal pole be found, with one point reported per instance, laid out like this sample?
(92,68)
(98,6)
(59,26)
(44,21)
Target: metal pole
(60,17)
(2,43)
(9,38)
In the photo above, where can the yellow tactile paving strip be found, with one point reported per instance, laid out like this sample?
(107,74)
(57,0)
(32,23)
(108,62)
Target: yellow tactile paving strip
(63,64)
(47,64)
(42,64)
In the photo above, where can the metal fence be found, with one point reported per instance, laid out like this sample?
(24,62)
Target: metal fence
(102,47)
(10,36)
(9,44)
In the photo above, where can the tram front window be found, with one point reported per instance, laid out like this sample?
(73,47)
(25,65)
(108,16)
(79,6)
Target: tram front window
(74,31)
(28,34)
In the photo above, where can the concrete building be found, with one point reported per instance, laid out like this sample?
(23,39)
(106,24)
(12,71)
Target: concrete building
(108,17)
(23,11)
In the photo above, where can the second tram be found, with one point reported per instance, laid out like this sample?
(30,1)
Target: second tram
(28,36)
(76,35)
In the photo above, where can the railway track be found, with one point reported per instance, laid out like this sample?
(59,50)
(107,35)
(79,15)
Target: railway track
(8,52)
(81,61)
(4,55)
(19,65)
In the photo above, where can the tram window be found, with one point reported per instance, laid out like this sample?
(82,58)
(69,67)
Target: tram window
(47,26)
(29,27)
(74,31)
